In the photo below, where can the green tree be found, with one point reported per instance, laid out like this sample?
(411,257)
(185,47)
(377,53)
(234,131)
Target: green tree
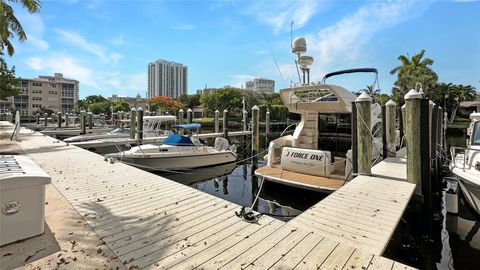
(8,81)
(221,99)
(9,24)
(370,90)
(382,98)
(101,107)
(412,71)
(121,106)
(460,93)
(94,99)
(189,101)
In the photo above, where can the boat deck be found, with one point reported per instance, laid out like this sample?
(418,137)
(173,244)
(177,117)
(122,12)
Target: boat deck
(151,222)
(313,182)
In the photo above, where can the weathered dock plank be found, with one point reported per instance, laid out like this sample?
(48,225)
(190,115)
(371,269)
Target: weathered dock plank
(151,222)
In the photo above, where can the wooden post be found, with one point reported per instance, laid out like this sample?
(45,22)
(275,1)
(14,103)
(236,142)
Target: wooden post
(267,123)
(225,124)
(255,132)
(59,119)
(354,140)
(82,122)
(189,116)
(66,120)
(384,132)
(425,163)
(391,111)
(140,123)
(413,126)
(364,134)
(90,120)
(445,125)
(45,117)
(404,123)
(133,118)
(217,121)
(147,113)
(180,116)
(37,118)
(244,120)
(401,126)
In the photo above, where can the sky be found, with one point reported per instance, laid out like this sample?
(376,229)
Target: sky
(107,45)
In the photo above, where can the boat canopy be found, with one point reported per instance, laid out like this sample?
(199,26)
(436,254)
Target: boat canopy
(159,118)
(178,140)
(188,126)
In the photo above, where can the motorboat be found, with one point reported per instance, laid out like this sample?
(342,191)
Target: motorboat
(152,126)
(465,166)
(118,139)
(178,151)
(318,154)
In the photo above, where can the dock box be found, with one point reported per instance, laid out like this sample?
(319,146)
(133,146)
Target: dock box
(22,198)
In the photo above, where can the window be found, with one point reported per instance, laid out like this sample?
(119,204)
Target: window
(476,133)
(37,106)
(52,85)
(37,98)
(36,91)
(52,92)
(36,84)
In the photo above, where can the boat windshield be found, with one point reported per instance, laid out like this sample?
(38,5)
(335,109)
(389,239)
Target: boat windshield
(178,140)
(476,133)
(119,130)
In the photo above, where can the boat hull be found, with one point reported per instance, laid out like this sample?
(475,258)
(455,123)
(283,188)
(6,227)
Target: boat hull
(471,192)
(179,162)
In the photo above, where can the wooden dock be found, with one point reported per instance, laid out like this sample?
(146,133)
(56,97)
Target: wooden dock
(151,222)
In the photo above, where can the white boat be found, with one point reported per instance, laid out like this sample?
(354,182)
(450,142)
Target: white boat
(466,166)
(317,156)
(177,152)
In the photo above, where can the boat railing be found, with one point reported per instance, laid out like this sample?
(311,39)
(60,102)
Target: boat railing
(453,153)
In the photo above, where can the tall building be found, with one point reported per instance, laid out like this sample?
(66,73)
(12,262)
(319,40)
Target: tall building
(136,102)
(167,79)
(261,85)
(56,93)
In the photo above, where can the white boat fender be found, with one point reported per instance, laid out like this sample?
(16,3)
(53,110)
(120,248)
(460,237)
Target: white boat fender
(451,201)
(247,214)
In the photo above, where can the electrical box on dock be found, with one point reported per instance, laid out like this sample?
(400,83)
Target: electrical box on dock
(22,198)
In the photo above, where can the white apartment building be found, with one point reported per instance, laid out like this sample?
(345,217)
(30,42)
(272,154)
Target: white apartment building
(56,93)
(261,85)
(167,78)
(136,102)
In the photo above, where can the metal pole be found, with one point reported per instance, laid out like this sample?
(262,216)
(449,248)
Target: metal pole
(225,124)
(140,123)
(255,132)
(133,118)
(59,119)
(180,116)
(82,122)
(364,134)
(217,121)
(189,116)
(414,147)
(391,111)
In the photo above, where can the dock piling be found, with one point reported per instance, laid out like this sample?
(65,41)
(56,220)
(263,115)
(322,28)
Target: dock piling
(244,120)
(404,119)
(45,118)
(66,120)
(139,123)
(189,116)
(17,124)
(59,119)
(37,118)
(364,134)
(390,116)
(413,126)
(217,121)
(82,122)
(147,113)
(133,118)
(180,116)
(354,140)
(225,124)
(90,120)
(267,124)
(255,132)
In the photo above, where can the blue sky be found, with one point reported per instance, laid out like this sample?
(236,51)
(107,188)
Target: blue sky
(106,45)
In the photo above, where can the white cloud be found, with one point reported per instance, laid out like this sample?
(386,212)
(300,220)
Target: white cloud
(77,40)
(239,80)
(34,28)
(280,14)
(38,43)
(183,27)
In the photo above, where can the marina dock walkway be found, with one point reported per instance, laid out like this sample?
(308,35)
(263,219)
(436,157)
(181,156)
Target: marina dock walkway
(150,222)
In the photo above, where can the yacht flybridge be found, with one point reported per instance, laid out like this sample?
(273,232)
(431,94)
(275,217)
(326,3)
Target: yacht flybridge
(317,156)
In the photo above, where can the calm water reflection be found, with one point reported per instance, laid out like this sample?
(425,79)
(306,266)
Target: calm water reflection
(237,184)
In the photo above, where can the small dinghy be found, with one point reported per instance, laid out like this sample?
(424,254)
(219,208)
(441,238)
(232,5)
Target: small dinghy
(178,152)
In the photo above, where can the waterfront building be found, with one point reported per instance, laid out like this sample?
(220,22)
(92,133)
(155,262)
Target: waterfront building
(260,85)
(136,102)
(55,93)
(167,78)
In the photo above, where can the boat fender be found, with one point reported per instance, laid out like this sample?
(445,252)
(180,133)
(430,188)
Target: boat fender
(247,214)
(451,201)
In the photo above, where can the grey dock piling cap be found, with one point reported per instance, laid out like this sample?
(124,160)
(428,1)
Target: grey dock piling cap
(133,109)
(216,111)
(255,108)
(180,111)
(412,94)
(364,97)
(189,110)
(139,109)
(225,110)
(268,112)
(390,103)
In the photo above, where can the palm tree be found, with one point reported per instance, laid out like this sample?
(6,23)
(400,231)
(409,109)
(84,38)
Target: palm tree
(411,71)
(369,89)
(460,93)
(9,24)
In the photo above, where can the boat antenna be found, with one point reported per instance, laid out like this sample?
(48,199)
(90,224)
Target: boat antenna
(291,46)
(274,59)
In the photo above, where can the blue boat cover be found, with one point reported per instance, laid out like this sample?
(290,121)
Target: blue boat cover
(188,126)
(178,140)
